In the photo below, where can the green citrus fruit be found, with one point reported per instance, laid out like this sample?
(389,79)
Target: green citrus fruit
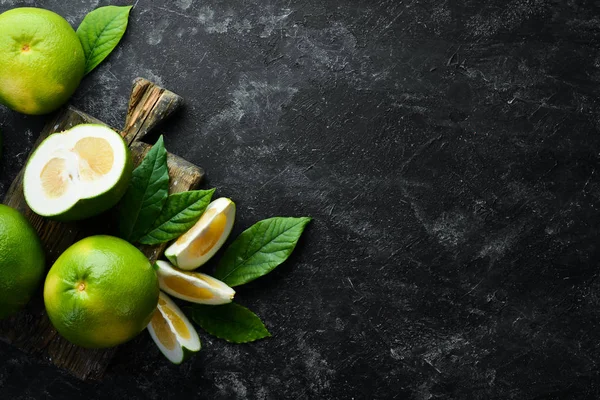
(41,60)
(21,261)
(78,173)
(101,292)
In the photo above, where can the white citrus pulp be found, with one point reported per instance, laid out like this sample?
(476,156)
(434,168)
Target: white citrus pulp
(192,286)
(172,331)
(205,238)
(82,163)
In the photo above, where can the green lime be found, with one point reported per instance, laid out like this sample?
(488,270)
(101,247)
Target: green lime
(101,292)
(41,60)
(21,261)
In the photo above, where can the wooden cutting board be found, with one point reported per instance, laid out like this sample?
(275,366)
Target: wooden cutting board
(31,330)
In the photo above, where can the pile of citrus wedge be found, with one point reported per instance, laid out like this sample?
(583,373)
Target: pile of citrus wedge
(170,329)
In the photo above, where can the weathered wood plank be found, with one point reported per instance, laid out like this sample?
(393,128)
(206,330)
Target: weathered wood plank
(148,105)
(30,329)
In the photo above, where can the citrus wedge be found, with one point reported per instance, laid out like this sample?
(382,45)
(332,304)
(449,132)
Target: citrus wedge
(205,238)
(78,173)
(192,286)
(172,331)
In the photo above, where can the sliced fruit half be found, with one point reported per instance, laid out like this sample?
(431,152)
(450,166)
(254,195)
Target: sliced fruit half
(205,238)
(78,173)
(172,331)
(192,286)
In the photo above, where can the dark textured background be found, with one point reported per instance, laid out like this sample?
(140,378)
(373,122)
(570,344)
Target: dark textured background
(448,151)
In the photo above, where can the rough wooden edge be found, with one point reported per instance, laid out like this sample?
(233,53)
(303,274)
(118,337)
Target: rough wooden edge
(148,105)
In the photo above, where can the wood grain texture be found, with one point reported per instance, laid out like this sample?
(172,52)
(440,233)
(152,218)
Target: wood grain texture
(31,330)
(148,105)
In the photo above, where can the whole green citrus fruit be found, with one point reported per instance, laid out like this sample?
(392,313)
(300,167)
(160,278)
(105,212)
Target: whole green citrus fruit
(41,60)
(101,292)
(21,261)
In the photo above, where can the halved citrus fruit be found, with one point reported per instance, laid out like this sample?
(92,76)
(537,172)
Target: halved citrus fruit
(192,286)
(205,238)
(172,331)
(78,173)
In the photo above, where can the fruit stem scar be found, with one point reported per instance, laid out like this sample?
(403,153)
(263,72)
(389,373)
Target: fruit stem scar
(81,286)
(25,48)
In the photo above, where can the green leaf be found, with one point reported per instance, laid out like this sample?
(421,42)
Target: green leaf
(231,322)
(100,32)
(259,249)
(147,193)
(180,213)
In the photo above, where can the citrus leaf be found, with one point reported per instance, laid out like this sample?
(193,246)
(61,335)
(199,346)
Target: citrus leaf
(147,193)
(259,249)
(231,322)
(180,213)
(100,32)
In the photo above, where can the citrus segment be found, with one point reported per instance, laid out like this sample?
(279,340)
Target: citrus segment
(96,157)
(172,331)
(184,287)
(178,325)
(192,286)
(77,173)
(190,235)
(205,238)
(163,330)
(54,177)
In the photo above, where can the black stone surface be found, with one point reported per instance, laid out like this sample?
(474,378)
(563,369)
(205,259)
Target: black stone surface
(449,153)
